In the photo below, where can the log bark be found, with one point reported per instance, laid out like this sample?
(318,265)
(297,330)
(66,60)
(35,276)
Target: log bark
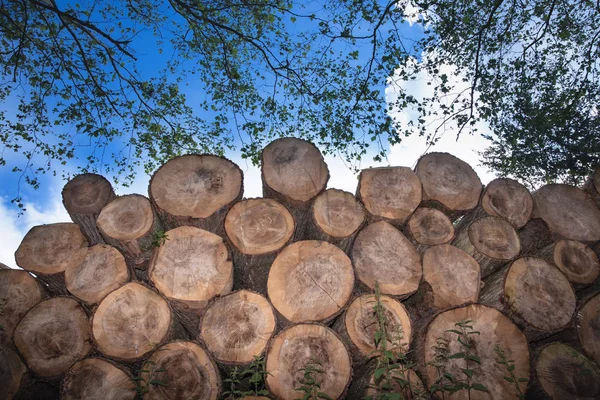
(190,269)
(294,348)
(257,230)
(97,379)
(491,241)
(53,335)
(535,294)
(19,293)
(428,227)
(48,250)
(102,270)
(310,280)
(130,224)
(294,173)
(592,186)
(13,373)
(494,329)
(588,328)
(574,259)
(534,237)
(189,373)
(389,193)
(336,217)
(84,196)
(449,184)
(196,190)
(382,254)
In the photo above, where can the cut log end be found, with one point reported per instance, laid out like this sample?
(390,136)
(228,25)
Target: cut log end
(126,218)
(430,227)
(294,168)
(495,238)
(259,226)
(87,194)
(577,261)
(508,199)
(390,193)
(338,213)
(295,348)
(97,379)
(191,267)
(588,328)
(310,280)
(12,373)
(237,327)
(130,322)
(53,335)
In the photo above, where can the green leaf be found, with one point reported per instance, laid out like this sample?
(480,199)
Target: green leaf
(468,372)
(523,380)
(473,357)
(479,387)
(379,372)
(322,395)
(509,379)
(457,355)
(454,331)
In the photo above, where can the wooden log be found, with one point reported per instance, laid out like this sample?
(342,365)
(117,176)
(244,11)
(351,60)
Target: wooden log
(592,186)
(494,330)
(310,280)
(389,193)
(535,294)
(131,322)
(196,190)
(449,184)
(13,373)
(293,173)
(19,293)
(53,335)
(84,196)
(97,379)
(336,217)
(190,269)
(48,250)
(588,327)
(186,370)
(574,259)
(130,224)
(366,386)
(257,230)
(382,254)
(491,241)
(428,227)
(102,270)
(294,348)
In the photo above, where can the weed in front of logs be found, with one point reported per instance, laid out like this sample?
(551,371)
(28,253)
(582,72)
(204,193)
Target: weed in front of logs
(310,382)
(255,374)
(509,365)
(159,238)
(142,385)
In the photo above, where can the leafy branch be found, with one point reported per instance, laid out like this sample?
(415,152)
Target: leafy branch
(509,365)
(143,385)
(310,383)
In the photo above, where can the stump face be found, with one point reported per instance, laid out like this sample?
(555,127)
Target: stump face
(454,276)
(449,180)
(53,335)
(102,271)
(568,211)
(50,249)
(495,329)
(195,185)
(338,213)
(238,327)
(12,371)
(565,373)
(189,373)
(259,226)
(86,194)
(126,218)
(310,280)
(390,192)
(382,253)
(294,348)
(540,293)
(97,379)
(588,328)
(495,237)
(508,199)
(294,168)
(577,261)
(130,322)
(429,226)
(192,266)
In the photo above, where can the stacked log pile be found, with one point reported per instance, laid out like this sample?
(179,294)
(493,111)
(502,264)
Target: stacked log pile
(425,284)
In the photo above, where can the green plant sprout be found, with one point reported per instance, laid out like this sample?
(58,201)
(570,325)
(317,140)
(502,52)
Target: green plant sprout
(310,383)
(232,382)
(159,238)
(142,385)
(509,365)
(255,374)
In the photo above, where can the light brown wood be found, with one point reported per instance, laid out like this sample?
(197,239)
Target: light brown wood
(48,250)
(389,193)
(310,280)
(449,182)
(588,328)
(508,199)
(574,259)
(294,348)
(565,373)
(84,196)
(53,335)
(130,322)
(453,276)
(196,190)
(189,373)
(237,327)
(19,292)
(428,227)
(102,270)
(494,329)
(97,379)
(12,373)
(382,253)
(568,211)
